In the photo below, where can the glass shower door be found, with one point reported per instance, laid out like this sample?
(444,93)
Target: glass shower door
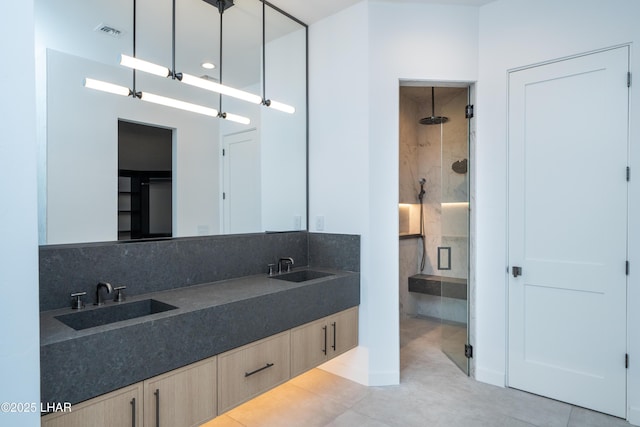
(452,254)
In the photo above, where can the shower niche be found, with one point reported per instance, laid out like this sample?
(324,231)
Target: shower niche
(433,209)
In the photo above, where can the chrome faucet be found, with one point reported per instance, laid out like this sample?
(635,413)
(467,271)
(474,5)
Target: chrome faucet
(285,261)
(99,286)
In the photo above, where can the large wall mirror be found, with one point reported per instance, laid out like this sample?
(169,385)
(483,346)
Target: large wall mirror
(225,177)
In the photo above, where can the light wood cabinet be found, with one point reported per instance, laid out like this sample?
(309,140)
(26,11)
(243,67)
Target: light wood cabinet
(343,331)
(120,408)
(314,343)
(196,393)
(184,397)
(250,370)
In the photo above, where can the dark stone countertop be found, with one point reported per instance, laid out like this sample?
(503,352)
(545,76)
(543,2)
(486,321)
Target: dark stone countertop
(210,319)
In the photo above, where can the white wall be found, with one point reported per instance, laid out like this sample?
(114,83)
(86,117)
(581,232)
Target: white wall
(20,349)
(338,151)
(516,33)
(357,58)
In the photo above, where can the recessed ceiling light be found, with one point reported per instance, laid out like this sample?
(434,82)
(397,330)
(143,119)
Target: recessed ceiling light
(208,66)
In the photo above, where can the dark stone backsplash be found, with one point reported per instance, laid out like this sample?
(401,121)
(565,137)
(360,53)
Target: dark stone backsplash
(151,266)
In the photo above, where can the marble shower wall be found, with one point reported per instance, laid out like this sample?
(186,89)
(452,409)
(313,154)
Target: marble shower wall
(429,151)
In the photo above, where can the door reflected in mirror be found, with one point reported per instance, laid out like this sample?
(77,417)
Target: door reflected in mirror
(145,191)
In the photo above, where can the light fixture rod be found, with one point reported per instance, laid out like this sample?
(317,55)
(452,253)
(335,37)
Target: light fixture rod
(134,44)
(173,41)
(268,102)
(264,54)
(221,11)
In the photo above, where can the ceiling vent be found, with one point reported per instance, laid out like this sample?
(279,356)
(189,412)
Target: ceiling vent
(109,30)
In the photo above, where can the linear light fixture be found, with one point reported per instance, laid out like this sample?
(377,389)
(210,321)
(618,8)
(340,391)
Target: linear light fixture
(182,105)
(107,87)
(280,106)
(158,99)
(146,66)
(235,118)
(218,88)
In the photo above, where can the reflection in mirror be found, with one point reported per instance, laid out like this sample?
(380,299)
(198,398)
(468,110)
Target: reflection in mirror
(218,184)
(144,181)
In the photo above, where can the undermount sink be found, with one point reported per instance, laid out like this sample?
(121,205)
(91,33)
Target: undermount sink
(113,313)
(301,276)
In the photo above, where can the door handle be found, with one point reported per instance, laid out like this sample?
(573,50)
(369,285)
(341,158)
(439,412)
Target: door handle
(516,271)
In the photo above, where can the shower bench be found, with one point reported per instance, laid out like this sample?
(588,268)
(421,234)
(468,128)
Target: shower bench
(450,287)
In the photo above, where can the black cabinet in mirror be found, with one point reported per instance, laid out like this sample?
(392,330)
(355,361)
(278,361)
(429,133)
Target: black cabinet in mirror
(144,181)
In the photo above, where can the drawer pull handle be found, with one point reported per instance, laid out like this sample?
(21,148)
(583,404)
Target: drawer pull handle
(133,412)
(157,394)
(324,349)
(334,336)
(267,366)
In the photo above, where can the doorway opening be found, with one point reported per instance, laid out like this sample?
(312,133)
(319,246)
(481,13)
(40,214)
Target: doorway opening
(144,181)
(434,196)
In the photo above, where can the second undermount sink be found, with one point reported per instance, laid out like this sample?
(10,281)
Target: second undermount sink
(113,313)
(302,276)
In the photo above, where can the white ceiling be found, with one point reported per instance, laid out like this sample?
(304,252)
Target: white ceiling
(311,11)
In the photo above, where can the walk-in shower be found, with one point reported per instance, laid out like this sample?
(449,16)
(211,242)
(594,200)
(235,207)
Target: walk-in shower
(434,211)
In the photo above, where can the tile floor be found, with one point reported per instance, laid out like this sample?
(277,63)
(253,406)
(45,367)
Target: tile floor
(433,392)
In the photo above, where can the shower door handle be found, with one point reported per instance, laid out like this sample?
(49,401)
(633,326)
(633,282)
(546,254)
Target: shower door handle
(516,271)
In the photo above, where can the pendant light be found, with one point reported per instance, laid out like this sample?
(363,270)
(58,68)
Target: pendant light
(222,5)
(159,70)
(134,63)
(268,102)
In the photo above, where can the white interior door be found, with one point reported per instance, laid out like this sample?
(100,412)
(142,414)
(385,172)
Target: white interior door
(568,148)
(241,183)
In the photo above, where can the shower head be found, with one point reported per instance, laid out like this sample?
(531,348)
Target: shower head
(433,120)
(422,181)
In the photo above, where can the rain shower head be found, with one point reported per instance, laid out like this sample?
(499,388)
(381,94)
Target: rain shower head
(433,120)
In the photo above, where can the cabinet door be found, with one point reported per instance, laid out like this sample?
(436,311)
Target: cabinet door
(245,372)
(309,346)
(184,397)
(343,331)
(120,408)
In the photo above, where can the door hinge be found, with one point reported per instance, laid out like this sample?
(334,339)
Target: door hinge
(468,111)
(626,360)
(629,79)
(628,174)
(224,195)
(224,152)
(626,268)
(468,351)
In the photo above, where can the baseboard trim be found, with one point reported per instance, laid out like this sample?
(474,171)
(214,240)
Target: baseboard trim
(634,415)
(490,376)
(354,366)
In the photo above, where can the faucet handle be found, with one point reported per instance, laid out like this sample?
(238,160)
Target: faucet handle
(119,297)
(271,268)
(76,300)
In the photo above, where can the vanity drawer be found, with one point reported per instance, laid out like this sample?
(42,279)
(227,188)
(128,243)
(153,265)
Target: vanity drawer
(250,370)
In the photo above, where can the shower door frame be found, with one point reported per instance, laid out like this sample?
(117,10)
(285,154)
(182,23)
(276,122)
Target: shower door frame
(471,255)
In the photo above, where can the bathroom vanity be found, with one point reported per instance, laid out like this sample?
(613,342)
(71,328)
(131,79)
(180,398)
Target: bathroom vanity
(225,341)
